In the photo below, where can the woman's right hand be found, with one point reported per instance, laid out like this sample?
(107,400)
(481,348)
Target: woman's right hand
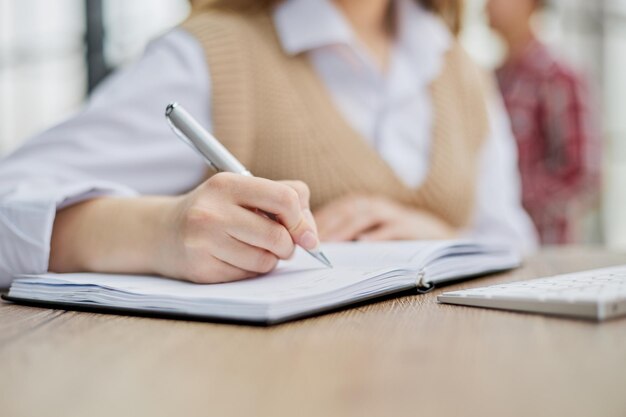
(215,233)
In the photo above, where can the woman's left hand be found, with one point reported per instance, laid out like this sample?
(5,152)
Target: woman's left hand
(361,217)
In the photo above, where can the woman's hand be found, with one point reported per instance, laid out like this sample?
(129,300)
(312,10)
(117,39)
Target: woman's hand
(215,233)
(360,217)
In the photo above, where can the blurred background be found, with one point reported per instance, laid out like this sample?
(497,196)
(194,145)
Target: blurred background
(53,53)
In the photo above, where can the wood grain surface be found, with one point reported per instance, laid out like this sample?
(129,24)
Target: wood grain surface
(400,357)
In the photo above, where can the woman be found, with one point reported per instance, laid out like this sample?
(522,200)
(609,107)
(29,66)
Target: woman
(372,104)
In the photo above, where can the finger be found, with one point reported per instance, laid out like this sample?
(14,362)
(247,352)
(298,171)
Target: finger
(328,223)
(347,218)
(330,217)
(243,256)
(353,226)
(261,232)
(272,197)
(214,271)
(383,232)
(326,217)
(304,195)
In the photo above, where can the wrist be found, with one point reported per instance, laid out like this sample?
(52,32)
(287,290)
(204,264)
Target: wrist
(147,235)
(161,249)
(115,235)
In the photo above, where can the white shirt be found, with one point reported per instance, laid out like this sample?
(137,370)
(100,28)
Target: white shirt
(120,144)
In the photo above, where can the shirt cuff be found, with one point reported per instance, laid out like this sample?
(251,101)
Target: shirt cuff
(27,215)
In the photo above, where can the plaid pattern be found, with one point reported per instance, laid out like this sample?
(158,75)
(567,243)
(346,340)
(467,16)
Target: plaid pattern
(558,146)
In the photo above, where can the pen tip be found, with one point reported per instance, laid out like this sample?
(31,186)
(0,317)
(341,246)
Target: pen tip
(322,258)
(170,108)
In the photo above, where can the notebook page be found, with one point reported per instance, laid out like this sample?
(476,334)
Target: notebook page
(300,277)
(283,284)
(373,254)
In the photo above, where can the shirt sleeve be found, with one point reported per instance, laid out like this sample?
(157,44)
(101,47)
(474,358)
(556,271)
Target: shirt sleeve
(499,215)
(119,144)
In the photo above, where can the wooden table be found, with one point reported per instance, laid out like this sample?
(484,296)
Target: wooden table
(406,356)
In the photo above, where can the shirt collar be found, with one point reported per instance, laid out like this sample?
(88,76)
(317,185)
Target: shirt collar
(304,25)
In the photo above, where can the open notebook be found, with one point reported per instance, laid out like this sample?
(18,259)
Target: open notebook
(297,288)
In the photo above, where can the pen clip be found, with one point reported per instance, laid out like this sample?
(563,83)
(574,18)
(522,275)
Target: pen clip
(186,141)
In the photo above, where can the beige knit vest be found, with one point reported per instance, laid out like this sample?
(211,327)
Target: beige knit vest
(275,114)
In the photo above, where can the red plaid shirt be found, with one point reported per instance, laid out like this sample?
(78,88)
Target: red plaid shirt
(557,143)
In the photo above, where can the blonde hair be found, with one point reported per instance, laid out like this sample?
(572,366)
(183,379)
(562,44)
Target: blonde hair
(450,10)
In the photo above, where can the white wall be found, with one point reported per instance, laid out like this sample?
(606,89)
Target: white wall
(42,65)
(131,24)
(615,125)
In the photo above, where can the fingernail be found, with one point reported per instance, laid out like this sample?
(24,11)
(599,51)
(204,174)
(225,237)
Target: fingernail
(308,240)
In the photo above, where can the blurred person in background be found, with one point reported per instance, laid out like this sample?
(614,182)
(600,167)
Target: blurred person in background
(550,109)
(373,104)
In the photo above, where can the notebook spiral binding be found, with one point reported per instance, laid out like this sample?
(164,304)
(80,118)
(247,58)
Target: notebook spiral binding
(422,285)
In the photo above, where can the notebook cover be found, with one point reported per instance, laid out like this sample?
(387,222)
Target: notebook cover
(197,317)
(392,293)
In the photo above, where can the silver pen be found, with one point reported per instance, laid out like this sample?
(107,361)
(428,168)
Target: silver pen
(213,152)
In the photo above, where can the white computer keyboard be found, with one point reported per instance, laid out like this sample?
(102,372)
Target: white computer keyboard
(597,294)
